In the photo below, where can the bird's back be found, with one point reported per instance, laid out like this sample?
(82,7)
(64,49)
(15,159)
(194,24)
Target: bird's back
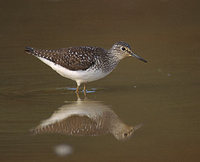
(72,58)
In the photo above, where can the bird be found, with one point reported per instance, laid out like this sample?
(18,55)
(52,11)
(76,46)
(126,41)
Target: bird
(85,118)
(84,64)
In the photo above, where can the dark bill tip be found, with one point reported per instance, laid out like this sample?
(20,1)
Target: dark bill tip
(138,57)
(142,59)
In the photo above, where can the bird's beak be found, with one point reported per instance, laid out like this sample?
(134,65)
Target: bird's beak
(138,57)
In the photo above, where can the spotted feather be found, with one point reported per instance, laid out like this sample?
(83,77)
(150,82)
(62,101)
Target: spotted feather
(72,58)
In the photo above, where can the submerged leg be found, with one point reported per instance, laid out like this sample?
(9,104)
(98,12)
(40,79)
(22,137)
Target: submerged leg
(84,89)
(77,88)
(78,97)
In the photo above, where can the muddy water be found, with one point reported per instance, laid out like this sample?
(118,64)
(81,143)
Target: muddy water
(163,95)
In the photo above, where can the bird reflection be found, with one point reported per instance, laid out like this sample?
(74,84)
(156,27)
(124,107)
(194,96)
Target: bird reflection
(85,118)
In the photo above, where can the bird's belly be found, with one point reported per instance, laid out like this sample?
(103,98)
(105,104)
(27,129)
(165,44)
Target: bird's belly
(80,76)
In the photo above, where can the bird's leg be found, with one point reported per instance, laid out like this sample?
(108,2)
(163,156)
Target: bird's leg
(84,88)
(78,97)
(77,89)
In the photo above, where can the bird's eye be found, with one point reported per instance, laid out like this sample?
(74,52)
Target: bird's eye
(123,49)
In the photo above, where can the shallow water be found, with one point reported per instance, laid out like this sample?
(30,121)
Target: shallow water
(163,95)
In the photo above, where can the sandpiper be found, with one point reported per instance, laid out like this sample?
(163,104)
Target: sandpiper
(86,118)
(84,64)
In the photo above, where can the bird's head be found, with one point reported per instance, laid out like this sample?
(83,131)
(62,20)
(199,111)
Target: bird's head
(122,50)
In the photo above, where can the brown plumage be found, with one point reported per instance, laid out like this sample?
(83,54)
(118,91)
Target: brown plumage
(72,58)
(75,125)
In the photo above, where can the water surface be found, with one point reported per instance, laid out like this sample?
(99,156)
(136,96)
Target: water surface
(163,95)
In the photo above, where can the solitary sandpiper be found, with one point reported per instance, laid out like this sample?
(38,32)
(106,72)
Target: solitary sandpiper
(86,118)
(84,64)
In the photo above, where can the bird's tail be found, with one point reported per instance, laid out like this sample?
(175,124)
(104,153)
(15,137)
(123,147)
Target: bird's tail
(29,50)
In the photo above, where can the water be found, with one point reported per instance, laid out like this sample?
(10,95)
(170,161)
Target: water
(163,94)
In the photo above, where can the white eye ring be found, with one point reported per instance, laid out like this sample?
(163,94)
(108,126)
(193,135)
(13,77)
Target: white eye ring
(123,49)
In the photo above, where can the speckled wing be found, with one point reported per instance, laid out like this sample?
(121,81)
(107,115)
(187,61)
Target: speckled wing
(74,125)
(72,58)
